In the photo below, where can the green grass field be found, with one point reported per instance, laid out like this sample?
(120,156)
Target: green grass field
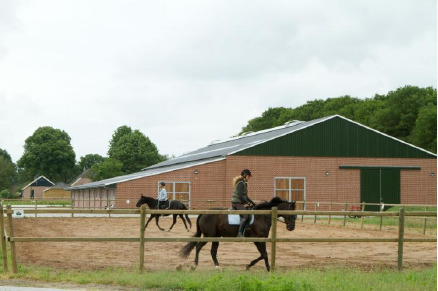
(302,279)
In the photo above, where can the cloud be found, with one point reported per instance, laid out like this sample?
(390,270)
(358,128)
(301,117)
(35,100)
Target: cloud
(189,72)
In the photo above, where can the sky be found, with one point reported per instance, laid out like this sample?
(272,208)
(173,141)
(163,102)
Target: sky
(186,73)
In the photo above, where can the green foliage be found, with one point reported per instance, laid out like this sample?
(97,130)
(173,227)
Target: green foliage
(408,113)
(8,171)
(48,152)
(133,149)
(89,160)
(106,169)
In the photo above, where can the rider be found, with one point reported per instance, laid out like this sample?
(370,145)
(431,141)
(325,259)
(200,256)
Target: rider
(240,197)
(162,196)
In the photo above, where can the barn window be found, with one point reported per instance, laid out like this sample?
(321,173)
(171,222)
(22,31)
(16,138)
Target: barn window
(291,189)
(177,191)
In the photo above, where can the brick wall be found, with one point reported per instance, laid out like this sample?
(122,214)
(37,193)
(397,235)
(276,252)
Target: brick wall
(212,186)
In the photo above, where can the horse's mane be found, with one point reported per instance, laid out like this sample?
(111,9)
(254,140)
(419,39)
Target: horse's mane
(268,205)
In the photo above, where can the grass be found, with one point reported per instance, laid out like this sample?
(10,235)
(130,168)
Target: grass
(39,202)
(301,279)
(412,223)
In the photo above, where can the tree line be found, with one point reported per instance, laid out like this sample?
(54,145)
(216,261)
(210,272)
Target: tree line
(48,152)
(408,113)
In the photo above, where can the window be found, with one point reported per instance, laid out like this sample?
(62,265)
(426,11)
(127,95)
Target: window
(177,191)
(291,189)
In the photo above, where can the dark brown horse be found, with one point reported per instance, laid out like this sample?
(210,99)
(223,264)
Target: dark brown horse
(216,225)
(173,204)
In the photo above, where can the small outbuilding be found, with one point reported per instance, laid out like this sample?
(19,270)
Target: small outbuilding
(35,189)
(331,159)
(57,191)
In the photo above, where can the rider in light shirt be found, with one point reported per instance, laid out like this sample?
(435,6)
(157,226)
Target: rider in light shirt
(162,195)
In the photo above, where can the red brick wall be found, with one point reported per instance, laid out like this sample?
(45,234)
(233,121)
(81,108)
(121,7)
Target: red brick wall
(38,191)
(212,186)
(208,184)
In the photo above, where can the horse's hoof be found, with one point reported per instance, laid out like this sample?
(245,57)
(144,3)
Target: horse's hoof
(219,268)
(247,267)
(168,230)
(193,268)
(188,230)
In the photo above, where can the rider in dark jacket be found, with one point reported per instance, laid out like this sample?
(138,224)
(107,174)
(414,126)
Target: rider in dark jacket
(240,197)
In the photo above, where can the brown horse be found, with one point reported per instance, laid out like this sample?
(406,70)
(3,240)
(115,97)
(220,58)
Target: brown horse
(216,225)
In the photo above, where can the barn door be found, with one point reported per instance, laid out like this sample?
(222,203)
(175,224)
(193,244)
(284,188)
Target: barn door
(291,189)
(379,186)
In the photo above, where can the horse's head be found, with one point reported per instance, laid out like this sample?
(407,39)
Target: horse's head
(141,201)
(288,218)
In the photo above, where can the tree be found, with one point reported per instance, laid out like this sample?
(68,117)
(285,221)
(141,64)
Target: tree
(133,149)
(89,160)
(106,169)
(8,171)
(424,133)
(408,113)
(48,152)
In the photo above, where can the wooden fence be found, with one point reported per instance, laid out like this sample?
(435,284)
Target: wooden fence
(8,235)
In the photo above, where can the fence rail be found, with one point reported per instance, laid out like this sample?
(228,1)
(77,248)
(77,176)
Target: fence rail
(8,235)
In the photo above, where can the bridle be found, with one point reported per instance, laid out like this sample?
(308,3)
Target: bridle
(278,218)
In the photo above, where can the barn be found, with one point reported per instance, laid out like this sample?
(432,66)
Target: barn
(35,189)
(331,159)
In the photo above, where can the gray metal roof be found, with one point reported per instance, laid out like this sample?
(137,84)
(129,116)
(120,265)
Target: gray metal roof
(239,143)
(216,151)
(142,174)
(219,150)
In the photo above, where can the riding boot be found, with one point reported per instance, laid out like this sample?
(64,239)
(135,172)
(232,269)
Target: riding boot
(241,227)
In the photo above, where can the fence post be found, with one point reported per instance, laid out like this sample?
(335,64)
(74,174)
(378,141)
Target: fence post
(330,216)
(316,208)
(142,224)
(274,237)
(345,216)
(12,243)
(36,207)
(3,238)
(425,221)
(381,217)
(401,232)
(361,217)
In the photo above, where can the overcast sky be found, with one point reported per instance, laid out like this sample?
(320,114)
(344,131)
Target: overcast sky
(186,73)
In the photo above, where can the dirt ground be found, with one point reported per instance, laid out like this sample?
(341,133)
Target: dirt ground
(164,256)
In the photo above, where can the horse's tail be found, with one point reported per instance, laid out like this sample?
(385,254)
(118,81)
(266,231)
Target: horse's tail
(187,217)
(187,249)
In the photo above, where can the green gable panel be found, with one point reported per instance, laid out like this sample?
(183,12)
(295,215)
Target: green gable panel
(336,137)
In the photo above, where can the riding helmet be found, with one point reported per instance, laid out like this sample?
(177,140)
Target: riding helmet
(246,172)
(163,184)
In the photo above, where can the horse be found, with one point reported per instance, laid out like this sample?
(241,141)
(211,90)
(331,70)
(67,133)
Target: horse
(216,225)
(173,204)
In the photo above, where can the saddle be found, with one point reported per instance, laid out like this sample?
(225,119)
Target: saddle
(234,219)
(164,204)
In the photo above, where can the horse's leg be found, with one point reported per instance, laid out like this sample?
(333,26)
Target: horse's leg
(214,247)
(150,218)
(199,246)
(157,217)
(185,224)
(174,221)
(261,246)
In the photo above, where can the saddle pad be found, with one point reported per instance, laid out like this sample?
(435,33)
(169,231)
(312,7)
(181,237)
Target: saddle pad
(234,219)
